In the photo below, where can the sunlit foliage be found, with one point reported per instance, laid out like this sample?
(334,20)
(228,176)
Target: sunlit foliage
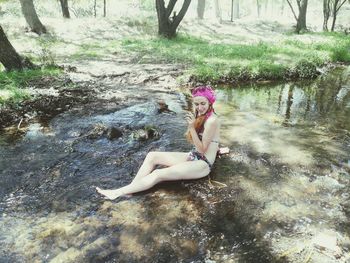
(12,83)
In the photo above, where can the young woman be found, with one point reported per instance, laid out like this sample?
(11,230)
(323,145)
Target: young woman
(203,132)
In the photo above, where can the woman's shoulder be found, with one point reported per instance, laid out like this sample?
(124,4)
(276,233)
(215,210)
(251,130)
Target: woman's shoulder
(212,120)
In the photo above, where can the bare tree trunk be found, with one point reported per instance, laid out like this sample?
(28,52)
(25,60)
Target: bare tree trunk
(301,24)
(266,7)
(104,8)
(326,13)
(9,57)
(337,4)
(167,25)
(200,8)
(31,17)
(301,18)
(217,10)
(236,9)
(258,8)
(282,8)
(94,8)
(65,10)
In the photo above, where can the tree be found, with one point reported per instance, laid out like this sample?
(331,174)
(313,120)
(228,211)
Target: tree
(331,8)
(337,4)
(236,9)
(9,57)
(258,8)
(301,18)
(31,17)
(217,10)
(95,5)
(326,13)
(200,8)
(167,25)
(65,10)
(104,8)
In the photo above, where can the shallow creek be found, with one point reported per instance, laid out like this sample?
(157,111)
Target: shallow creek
(287,176)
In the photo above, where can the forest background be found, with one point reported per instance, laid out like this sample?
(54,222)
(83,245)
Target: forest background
(216,42)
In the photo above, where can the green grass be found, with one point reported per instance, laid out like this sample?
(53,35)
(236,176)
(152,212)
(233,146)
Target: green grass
(13,83)
(291,58)
(94,50)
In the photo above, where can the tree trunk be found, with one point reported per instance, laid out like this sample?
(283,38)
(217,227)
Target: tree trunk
(266,7)
(301,23)
(326,12)
(65,10)
(258,8)
(236,9)
(200,8)
(282,8)
(337,4)
(9,57)
(31,17)
(104,8)
(167,25)
(333,22)
(217,10)
(94,8)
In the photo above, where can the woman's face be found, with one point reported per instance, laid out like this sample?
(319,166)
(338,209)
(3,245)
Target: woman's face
(201,105)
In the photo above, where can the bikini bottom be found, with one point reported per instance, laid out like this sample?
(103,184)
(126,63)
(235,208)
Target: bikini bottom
(196,156)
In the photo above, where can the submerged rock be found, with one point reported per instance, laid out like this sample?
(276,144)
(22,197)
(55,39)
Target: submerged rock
(100,130)
(148,132)
(114,133)
(97,131)
(163,107)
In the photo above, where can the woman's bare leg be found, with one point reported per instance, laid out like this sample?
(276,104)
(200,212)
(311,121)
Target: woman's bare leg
(181,171)
(159,158)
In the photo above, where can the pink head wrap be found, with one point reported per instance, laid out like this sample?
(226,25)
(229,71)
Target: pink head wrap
(207,92)
(204,91)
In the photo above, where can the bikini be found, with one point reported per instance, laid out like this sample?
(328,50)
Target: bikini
(194,155)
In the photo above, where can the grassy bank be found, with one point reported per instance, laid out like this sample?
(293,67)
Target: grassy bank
(293,57)
(13,84)
(219,58)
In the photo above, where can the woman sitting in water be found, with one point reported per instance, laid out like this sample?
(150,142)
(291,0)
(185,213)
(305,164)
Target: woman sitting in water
(203,132)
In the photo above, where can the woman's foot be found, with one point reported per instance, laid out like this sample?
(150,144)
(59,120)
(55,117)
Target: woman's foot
(109,194)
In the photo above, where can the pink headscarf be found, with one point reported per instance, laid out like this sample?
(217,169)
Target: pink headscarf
(204,91)
(207,92)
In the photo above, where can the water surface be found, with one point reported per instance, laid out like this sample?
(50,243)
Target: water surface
(287,177)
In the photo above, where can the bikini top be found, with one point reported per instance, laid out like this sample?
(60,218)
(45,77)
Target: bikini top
(200,133)
(200,136)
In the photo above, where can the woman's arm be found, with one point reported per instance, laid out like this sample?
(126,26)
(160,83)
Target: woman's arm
(210,128)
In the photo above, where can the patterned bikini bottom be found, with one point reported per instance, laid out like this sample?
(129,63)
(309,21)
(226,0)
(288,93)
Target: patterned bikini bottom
(196,156)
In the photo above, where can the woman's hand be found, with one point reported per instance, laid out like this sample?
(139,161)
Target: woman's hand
(190,119)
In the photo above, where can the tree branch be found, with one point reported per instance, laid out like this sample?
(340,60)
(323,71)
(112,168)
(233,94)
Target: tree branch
(299,5)
(291,7)
(178,18)
(170,7)
(340,6)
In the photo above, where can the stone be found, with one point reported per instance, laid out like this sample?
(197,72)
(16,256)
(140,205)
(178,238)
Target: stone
(114,133)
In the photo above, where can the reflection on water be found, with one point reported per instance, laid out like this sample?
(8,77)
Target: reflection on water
(287,198)
(325,100)
(294,121)
(291,148)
